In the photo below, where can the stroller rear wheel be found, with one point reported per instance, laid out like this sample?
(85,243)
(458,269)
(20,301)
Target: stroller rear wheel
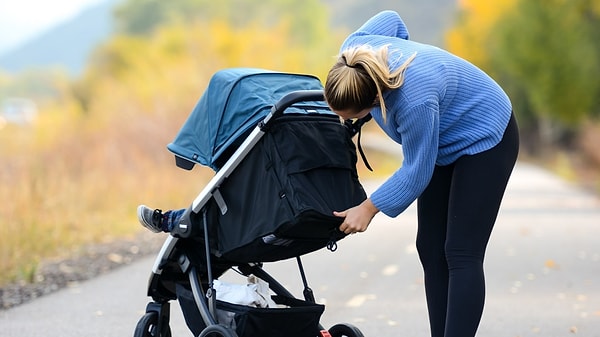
(217,331)
(345,330)
(147,326)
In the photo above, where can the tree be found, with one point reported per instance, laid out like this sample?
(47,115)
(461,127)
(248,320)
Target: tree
(474,27)
(543,52)
(307,18)
(548,52)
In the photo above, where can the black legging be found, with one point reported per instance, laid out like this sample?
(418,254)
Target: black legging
(456,215)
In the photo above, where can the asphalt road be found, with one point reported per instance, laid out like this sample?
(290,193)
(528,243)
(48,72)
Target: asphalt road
(542,268)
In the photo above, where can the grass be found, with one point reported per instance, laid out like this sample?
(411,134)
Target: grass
(60,193)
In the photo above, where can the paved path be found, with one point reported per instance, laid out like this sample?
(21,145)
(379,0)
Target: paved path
(543,274)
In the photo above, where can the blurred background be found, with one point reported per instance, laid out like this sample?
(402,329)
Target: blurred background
(92,91)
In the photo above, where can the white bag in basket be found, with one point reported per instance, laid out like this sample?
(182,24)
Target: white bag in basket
(255,293)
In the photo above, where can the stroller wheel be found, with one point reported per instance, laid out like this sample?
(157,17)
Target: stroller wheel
(345,329)
(217,331)
(147,326)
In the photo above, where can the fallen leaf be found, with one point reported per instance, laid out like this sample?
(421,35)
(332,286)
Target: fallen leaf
(359,300)
(551,264)
(115,258)
(390,270)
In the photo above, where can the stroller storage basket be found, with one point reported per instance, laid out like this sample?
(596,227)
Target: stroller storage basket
(296,319)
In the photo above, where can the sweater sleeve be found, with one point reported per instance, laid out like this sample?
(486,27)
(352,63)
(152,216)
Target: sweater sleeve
(419,128)
(386,23)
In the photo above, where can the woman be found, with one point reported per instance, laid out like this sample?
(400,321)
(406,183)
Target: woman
(460,143)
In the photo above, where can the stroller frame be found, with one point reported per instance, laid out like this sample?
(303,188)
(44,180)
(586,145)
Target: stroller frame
(155,322)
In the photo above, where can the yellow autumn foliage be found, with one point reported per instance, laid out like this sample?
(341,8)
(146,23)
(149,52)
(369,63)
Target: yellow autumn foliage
(477,18)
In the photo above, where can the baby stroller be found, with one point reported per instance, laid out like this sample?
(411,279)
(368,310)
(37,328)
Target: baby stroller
(283,163)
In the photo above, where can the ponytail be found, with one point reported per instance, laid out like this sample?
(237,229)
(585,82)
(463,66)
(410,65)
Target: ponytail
(360,76)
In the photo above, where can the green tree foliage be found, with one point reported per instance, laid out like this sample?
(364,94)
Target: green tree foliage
(547,54)
(142,17)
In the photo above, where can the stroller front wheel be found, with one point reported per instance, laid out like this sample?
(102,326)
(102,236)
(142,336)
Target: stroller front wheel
(345,330)
(217,331)
(147,326)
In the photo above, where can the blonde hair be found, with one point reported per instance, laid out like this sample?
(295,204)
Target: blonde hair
(360,76)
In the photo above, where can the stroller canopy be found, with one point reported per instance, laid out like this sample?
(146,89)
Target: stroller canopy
(235,101)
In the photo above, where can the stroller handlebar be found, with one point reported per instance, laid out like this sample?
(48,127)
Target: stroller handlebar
(291,99)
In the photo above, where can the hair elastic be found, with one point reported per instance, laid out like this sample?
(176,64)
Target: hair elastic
(348,65)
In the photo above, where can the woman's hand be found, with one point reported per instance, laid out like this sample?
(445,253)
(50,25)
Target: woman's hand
(358,218)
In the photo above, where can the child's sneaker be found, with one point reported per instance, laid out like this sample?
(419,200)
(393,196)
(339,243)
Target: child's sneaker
(150,218)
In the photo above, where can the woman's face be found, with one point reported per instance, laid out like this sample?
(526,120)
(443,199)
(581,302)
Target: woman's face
(350,114)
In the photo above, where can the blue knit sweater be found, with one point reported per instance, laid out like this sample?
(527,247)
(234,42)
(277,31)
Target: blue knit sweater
(445,109)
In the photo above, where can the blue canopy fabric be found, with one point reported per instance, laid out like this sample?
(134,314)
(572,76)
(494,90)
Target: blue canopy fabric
(235,101)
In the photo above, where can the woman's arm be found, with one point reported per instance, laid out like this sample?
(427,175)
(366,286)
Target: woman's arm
(419,128)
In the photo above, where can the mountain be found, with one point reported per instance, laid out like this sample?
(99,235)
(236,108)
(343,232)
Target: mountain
(67,45)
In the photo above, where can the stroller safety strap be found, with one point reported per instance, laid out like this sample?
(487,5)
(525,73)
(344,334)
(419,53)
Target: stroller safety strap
(355,127)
